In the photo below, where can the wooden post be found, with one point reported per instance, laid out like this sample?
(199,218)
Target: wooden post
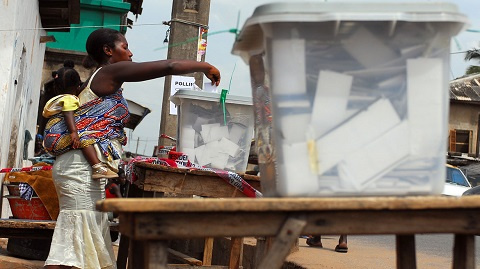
(260,249)
(187,17)
(208,251)
(290,231)
(406,257)
(156,255)
(236,253)
(464,252)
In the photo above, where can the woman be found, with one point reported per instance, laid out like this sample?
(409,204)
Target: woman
(81,238)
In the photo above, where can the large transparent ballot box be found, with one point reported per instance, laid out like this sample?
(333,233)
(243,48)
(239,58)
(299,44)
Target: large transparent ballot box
(358,93)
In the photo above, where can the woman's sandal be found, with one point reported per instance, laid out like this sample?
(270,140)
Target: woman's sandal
(342,248)
(312,243)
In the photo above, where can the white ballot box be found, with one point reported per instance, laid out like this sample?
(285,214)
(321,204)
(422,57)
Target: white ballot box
(212,135)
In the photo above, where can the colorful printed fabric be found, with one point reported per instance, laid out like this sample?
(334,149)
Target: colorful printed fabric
(98,121)
(26,191)
(230,177)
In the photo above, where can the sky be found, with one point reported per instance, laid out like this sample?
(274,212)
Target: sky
(146,43)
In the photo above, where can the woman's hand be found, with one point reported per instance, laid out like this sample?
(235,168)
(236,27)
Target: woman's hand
(214,75)
(75,140)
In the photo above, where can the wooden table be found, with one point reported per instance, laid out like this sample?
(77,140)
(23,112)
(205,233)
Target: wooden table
(159,178)
(154,180)
(150,222)
(33,229)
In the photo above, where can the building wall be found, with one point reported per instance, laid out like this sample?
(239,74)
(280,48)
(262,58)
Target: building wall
(465,117)
(21,61)
(109,13)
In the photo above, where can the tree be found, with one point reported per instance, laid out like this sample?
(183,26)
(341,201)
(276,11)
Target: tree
(473,54)
(473,69)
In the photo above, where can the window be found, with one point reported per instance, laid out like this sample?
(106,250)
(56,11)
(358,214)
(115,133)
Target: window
(460,141)
(456,176)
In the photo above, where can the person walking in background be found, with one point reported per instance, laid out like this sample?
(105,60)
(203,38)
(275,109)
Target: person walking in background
(81,237)
(316,241)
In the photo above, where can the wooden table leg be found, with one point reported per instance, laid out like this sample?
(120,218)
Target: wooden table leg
(122,252)
(156,255)
(289,232)
(236,253)
(148,255)
(208,251)
(260,250)
(135,255)
(406,257)
(464,252)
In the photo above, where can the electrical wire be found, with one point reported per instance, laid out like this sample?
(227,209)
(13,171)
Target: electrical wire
(195,39)
(80,27)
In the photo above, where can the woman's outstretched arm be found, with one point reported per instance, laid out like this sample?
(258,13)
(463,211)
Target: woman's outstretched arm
(112,76)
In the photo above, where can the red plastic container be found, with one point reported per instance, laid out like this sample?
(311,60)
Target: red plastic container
(23,209)
(13,189)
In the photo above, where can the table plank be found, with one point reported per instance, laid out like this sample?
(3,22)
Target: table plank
(287,204)
(25,228)
(27,224)
(188,171)
(179,225)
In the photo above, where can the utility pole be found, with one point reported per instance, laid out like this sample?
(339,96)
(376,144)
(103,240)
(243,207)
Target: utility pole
(187,17)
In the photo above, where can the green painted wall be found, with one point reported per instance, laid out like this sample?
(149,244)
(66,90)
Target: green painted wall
(92,13)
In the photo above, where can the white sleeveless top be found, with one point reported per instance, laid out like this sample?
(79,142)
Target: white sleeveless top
(87,94)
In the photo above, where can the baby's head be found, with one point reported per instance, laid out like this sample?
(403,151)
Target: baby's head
(67,79)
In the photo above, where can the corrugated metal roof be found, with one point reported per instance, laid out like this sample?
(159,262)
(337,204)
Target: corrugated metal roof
(466,89)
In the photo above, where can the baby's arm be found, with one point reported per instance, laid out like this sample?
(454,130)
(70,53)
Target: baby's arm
(72,128)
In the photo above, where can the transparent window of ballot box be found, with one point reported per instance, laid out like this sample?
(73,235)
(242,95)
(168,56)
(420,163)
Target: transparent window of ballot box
(358,94)
(213,136)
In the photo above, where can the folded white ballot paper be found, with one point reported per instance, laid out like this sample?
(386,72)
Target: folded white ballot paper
(376,158)
(355,133)
(299,180)
(425,105)
(289,62)
(330,103)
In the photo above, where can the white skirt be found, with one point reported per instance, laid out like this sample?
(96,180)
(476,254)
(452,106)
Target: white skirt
(82,236)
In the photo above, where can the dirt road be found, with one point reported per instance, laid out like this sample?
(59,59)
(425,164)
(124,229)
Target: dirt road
(360,256)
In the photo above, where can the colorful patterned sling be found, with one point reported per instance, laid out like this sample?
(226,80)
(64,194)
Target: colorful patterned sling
(98,121)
